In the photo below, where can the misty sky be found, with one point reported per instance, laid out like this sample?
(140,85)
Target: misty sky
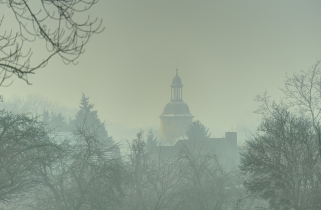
(227,52)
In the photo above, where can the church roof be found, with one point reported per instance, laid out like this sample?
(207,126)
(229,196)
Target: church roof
(176,108)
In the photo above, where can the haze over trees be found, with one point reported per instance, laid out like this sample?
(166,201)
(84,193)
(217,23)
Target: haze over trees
(36,105)
(49,160)
(80,167)
(83,169)
(45,169)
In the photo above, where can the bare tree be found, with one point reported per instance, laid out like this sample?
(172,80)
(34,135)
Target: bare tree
(303,92)
(57,24)
(281,162)
(206,183)
(84,176)
(137,167)
(24,146)
(187,180)
(151,181)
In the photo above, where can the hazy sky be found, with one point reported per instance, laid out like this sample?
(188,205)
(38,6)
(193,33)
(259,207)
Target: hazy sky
(227,52)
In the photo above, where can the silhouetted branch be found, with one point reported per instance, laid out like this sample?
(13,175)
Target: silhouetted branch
(53,21)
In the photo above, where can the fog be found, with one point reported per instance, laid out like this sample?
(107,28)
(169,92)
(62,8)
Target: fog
(225,53)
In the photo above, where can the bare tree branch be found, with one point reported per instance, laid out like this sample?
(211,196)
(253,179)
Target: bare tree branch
(55,22)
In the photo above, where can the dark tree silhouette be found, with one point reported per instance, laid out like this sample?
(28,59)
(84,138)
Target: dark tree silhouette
(55,23)
(87,118)
(86,112)
(24,146)
(197,131)
(280,162)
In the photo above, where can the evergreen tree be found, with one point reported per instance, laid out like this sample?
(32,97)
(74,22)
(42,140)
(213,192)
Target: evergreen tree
(85,112)
(197,131)
(88,118)
(151,140)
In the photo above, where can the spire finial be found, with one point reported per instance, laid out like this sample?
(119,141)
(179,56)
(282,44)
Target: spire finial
(176,70)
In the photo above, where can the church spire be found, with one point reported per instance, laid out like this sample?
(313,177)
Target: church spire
(176,88)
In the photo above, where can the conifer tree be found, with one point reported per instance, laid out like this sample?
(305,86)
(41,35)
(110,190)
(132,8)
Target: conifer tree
(151,140)
(87,117)
(197,131)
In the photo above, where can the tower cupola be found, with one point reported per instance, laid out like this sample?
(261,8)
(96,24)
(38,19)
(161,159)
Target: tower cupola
(176,88)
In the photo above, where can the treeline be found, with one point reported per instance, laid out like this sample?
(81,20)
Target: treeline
(280,167)
(46,167)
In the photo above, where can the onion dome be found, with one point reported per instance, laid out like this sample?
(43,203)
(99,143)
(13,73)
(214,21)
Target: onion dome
(176,109)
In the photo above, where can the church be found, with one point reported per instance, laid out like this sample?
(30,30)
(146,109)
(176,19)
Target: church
(174,120)
(176,116)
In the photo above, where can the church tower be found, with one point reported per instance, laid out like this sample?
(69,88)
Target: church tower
(176,116)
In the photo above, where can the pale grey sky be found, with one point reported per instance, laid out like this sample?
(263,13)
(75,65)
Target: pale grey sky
(227,52)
